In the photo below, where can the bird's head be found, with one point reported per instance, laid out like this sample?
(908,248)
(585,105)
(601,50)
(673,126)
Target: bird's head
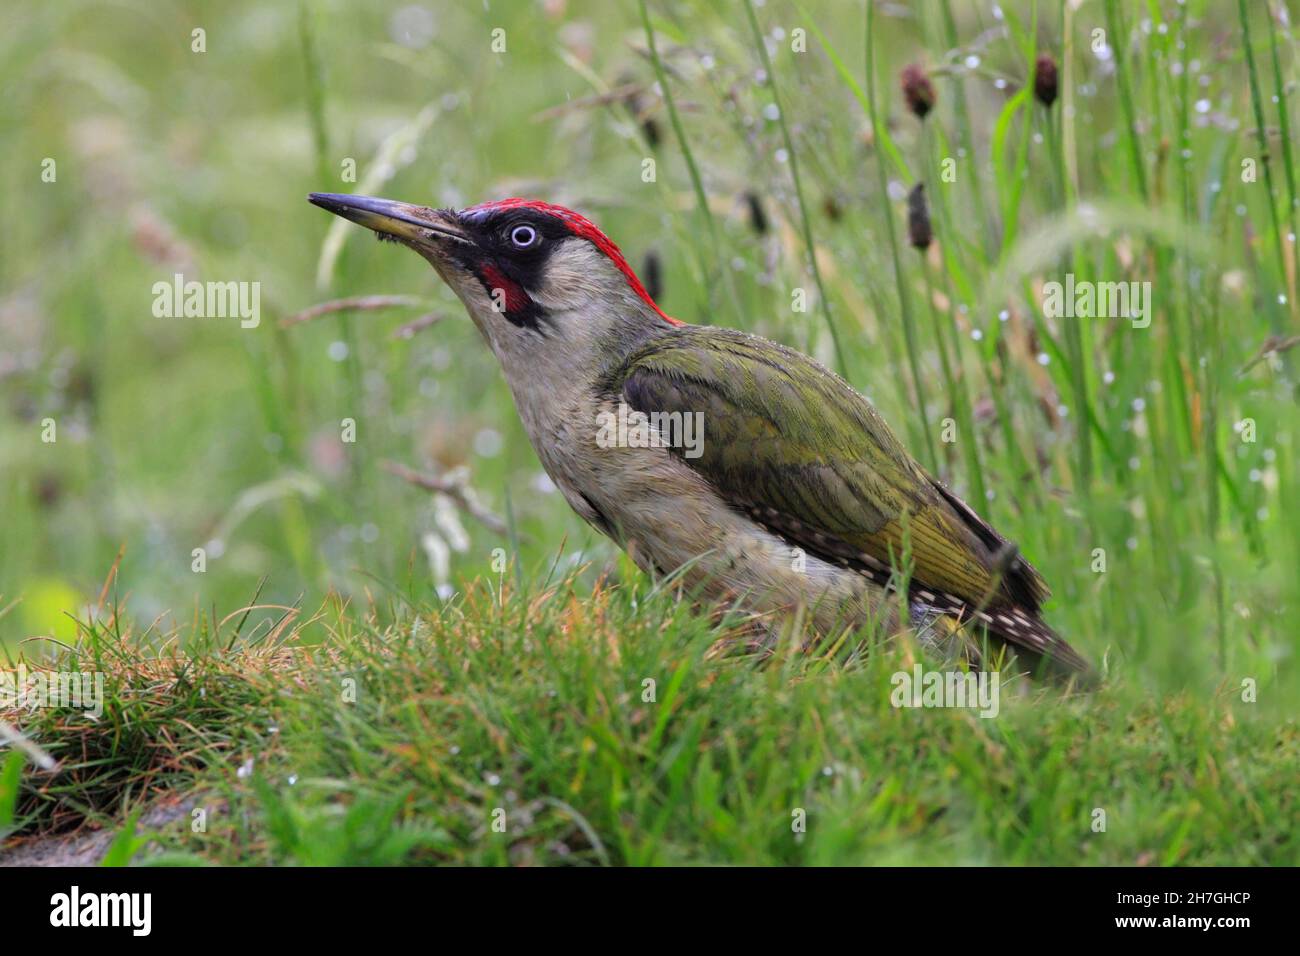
(528,272)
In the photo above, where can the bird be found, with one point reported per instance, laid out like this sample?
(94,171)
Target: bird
(745,467)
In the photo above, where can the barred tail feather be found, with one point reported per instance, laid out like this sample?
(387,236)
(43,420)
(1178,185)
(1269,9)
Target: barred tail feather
(1026,633)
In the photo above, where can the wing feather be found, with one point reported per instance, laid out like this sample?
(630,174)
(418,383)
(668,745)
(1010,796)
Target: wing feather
(792,444)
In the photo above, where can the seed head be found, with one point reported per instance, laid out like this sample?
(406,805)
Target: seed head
(1045,79)
(757,216)
(919,233)
(918,91)
(652,273)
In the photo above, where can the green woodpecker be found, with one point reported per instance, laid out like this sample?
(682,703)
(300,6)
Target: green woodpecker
(759,474)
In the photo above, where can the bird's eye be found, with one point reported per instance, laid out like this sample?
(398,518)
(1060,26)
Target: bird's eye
(523,236)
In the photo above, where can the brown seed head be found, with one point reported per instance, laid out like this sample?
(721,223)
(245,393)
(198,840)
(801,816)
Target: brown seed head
(919,233)
(1045,79)
(918,91)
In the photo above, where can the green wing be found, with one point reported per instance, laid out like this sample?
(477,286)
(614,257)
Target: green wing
(793,445)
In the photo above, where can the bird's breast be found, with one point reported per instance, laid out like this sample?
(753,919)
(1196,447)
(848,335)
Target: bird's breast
(667,516)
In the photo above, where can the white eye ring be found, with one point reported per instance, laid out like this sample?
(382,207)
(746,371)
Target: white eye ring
(523,236)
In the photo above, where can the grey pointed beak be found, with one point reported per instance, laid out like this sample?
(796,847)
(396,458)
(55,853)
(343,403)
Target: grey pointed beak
(401,220)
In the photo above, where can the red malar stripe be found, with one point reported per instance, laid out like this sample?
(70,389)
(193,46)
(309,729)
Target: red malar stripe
(516,300)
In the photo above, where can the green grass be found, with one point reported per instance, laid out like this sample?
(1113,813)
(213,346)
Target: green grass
(520,693)
(534,711)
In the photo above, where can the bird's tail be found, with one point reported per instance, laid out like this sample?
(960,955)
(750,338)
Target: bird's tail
(955,625)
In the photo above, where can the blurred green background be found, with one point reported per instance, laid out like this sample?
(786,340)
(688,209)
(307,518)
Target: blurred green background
(182,433)
(175,434)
